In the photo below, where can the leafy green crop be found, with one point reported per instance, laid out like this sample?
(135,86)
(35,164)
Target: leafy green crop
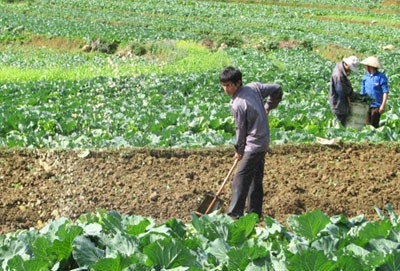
(179,110)
(356,97)
(114,242)
(49,65)
(171,97)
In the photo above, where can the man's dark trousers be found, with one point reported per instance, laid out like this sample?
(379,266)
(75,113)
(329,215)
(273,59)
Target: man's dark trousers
(248,183)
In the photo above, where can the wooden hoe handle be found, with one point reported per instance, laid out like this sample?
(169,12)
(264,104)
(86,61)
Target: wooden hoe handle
(222,186)
(227,177)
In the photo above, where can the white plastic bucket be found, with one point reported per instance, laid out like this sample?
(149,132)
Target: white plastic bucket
(358,115)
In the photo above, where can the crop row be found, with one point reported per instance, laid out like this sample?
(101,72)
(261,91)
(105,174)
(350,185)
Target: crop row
(25,64)
(116,20)
(178,109)
(110,241)
(53,99)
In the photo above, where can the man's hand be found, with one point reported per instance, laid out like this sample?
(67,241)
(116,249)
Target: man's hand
(384,101)
(238,156)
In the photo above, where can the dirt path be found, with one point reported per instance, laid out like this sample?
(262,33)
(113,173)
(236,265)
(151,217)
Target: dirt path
(38,185)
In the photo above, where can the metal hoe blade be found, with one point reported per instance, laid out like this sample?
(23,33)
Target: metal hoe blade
(209,205)
(212,203)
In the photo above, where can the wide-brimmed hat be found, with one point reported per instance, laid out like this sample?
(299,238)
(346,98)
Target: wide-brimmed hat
(352,62)
(372,61)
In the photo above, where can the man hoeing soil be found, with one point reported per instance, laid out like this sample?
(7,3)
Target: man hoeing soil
(250,106)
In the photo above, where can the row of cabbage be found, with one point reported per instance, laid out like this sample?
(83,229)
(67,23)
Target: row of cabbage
(337,3)
(183,105)
(165,56)
(141,20)
(179,110)
(114,242)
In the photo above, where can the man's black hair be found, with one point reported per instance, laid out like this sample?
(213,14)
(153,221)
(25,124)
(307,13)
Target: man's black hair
(230,74)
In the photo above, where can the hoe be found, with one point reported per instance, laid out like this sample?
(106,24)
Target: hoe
(212,203)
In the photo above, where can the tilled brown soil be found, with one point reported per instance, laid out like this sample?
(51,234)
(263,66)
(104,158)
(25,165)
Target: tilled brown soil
(39,185)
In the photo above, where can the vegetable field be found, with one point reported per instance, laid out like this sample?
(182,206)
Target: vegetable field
(162,186)
(113,127)
(166,92)
(211,243)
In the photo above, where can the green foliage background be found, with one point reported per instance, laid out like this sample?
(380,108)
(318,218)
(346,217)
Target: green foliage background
(166,94)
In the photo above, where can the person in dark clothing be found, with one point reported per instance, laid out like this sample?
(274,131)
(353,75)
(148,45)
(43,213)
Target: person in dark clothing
(341,89)
(250,106)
